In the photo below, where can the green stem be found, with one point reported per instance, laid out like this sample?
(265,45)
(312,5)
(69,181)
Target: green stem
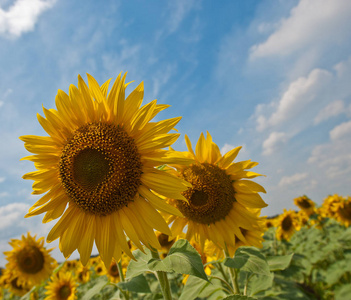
(220,268)
(121,277)
(225,282)
(233,277)
(162,278)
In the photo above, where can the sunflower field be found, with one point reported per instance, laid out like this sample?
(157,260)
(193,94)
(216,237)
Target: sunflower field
(305,254)
(166,224)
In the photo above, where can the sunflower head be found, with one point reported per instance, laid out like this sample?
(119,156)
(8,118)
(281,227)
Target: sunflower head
(62,286)
(29,260)
(12,283)
(221,201)
(98,168)
(82,274)
(287,224)
(343,212)
(305,204)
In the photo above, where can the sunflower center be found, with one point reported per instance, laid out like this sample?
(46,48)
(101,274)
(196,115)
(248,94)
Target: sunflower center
(211,197)
(305,203)
(100,168)
(113,271)
(164,240)
(64,292)
(30,260)
(287,223)
(345,211)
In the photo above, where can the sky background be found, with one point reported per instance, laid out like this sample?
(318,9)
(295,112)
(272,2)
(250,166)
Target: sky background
(271,76)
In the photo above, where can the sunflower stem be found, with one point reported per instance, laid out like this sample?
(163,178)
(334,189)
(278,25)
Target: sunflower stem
(162,278)
(233,276)
(121,277)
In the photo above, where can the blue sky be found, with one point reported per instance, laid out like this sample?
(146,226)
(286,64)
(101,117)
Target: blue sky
(272,76)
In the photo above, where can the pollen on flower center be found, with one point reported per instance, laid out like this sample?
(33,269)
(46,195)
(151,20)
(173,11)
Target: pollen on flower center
(30,260)
(100,168)
(211,197)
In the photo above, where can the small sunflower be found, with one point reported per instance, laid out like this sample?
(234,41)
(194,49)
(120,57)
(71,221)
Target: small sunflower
(305,204)
(343,212)
(29,260)
(287,224)
(98,169)
(100,269)
(166,243)
(82,274)
(330,203)
(14,285)
(61,287)
(112,271)
(221,200)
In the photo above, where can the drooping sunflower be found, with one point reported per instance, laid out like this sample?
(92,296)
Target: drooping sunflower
(221,200)
(305,204)
(287,224)
(98,169)
(29,260)
(343,212)
(61,287)
(82,274)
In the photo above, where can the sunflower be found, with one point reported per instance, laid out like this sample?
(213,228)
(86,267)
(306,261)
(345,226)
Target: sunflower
(287,224)
(221,199)
(305,204)
(100,269)
(112,271)
(166,243)
(82,274)
(330,205)
(61,287)
(343,212)
(98,169)
(12,283)
(29,260)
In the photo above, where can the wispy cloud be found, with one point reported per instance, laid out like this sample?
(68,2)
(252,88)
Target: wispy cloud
(22,16)
(312,23)
(293,179)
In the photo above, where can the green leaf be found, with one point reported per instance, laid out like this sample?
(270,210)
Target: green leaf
(260,283)
(277,263)
(140,266)
(182,258)
(137,284)
(99,285)
(249,259)
(196,287)
(239,297)
(343,293)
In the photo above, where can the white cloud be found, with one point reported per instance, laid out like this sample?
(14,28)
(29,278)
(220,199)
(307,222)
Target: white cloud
(333,109)
(274,142)
(311,23)
(294,101)
(293,179)
(2,179)
(10,214)
(333,159)
(341,131)
(178,11)
(22,16)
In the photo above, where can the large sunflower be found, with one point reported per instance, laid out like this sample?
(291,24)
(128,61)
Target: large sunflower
(61,287)
(221,200)
(100,158)
(29,260)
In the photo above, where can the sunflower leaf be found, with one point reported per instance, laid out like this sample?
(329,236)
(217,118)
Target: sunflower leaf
(137,284)
(135,268)
(278,263)
(183,259)
(238,297)
(249,259)
(99,285)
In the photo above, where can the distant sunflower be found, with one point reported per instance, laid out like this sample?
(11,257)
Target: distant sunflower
(329,206)
(29,260)
(287,224)
(100,158)
(11,282)
(305,204)
(100,269)
(221,200)
(343,212)
(61,287)
(166,243)
(82,274)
